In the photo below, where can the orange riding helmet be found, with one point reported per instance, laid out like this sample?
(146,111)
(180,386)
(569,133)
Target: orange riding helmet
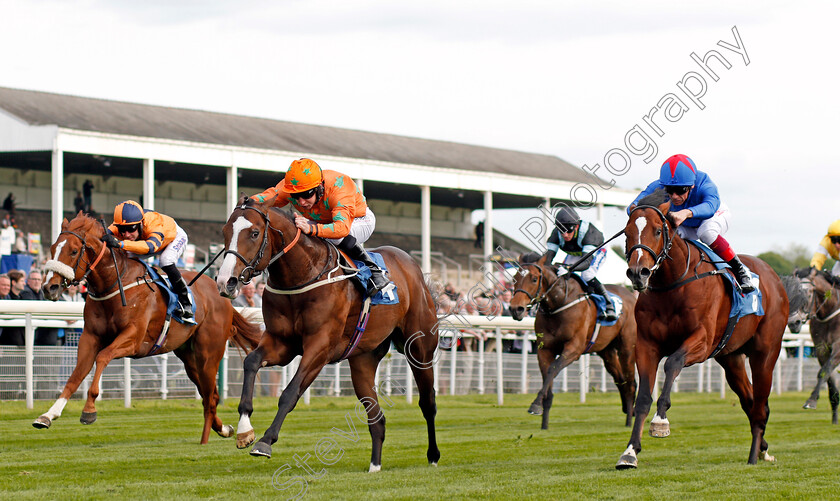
(303,175)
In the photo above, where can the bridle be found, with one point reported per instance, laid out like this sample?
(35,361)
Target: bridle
(818,306)
(537,297)
(666,247)
(247,273)
(90,264)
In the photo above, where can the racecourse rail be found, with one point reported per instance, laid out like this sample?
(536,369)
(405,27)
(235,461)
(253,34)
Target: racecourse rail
(457,372)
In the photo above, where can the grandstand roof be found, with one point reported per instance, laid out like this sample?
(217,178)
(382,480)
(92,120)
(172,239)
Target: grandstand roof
(115,117)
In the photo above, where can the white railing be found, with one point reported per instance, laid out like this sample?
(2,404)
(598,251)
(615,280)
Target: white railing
(456,371)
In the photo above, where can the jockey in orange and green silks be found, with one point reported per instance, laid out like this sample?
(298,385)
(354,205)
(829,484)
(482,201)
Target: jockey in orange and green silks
(698,210)
(829,246)
(332,207)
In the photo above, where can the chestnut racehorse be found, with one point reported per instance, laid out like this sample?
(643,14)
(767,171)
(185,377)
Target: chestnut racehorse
(824,310)
(566,322)
(114,331)
(682,314)
(310,310)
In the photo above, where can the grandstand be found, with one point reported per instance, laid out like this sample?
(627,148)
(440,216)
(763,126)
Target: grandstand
(193,164)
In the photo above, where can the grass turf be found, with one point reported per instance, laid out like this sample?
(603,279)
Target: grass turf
(151,452)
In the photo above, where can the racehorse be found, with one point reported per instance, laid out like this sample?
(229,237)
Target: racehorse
(566,322)
(824,312)
(682,314)
(311,311)
(114,331)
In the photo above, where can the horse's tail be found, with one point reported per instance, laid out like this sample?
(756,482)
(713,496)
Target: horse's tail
(244,333)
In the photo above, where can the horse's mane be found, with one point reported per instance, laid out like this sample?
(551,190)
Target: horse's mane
(655,199)
(83,221)
(797,297)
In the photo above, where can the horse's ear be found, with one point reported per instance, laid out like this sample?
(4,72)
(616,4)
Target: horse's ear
(541,260)
(64,224)
(665,207)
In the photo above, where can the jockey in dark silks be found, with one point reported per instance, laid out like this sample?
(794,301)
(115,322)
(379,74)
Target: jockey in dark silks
(576,238)
(697,211)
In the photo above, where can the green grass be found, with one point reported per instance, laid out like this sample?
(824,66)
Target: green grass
(151,451)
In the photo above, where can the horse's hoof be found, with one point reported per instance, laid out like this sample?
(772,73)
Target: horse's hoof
(245,439)
(810,404)
(226,431)
(88,417)
(659,430)
(535,409)
(767,457)
(261,449)
(375,468)
(627,460)
(43,422)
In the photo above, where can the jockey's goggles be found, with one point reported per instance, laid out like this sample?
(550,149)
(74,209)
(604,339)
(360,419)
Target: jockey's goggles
(835,239)
(566,229)
(128,228)
(304,194)
(677,190)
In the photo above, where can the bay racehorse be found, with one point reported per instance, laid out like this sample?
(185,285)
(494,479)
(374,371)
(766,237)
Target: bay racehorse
(114,331)
(566,329)
(824,314)
(682,313)
(311,311)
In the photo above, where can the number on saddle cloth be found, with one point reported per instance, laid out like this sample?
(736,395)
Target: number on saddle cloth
(362,279)
(173,307)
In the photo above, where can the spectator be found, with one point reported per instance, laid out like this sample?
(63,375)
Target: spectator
(5,286)
(9,204)
(14,335)
(87,188)
(260,288)
(44,336)
(78,203)
(479,235)
(7,221)
(248,297)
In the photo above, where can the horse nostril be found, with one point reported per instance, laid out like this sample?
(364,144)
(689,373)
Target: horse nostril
(644,272)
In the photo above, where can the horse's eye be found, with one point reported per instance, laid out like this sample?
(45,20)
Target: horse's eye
(658,232)
(255,234)
(74,252)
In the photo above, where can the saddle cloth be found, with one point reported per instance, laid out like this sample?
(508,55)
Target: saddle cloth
(172,306)
(742,304)
(601,305)
(362,279)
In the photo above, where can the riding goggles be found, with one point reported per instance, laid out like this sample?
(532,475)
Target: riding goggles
(677,190)
(304,194)
(835,239)
(566,229)
(128,228)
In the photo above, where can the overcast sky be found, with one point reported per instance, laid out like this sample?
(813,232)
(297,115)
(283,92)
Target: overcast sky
(567,78)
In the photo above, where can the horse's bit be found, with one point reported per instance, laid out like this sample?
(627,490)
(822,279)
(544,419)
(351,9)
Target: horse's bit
(251,266)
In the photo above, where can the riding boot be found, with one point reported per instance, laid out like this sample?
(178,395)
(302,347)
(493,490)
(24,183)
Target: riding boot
(741,274)
(377,276)
(179,286)
(596,287)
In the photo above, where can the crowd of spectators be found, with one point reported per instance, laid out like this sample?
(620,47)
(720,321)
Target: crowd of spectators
(16,285)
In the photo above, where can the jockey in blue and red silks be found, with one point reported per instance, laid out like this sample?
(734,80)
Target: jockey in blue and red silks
(697,211)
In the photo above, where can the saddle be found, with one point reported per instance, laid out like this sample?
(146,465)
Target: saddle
(362,277)
(173,307)
(601,301)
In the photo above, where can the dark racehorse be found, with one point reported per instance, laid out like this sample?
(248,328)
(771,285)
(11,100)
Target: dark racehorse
(566,322)
(824,312)
(309,310)
(682,315)
(114,331)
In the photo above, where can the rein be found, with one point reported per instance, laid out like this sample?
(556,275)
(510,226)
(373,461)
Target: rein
(658,258)
(251,266)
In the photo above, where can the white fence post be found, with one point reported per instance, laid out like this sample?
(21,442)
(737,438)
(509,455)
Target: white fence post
(164,375)
(127,382)
(29,355)
(500,384)
(524,374)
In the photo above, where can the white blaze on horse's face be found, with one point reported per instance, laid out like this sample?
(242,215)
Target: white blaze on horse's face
(641,222)
(55,257)
(226,271)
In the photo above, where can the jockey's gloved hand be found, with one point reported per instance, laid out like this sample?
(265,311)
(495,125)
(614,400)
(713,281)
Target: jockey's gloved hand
(111,241)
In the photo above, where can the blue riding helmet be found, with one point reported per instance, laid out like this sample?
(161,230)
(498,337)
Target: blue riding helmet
(679,170)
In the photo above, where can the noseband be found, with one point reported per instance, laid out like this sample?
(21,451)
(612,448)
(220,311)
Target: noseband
(666,247)
(537,297)
(251,266)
